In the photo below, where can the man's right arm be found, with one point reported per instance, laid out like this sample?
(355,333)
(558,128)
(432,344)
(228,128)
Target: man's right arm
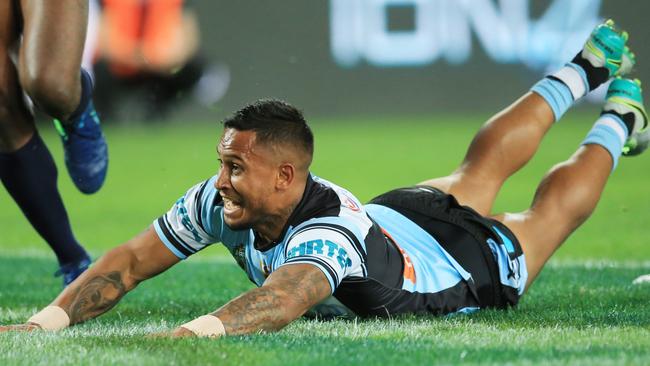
(117,272)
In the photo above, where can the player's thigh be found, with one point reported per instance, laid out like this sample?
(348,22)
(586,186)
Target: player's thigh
(441,183)
(479,194)
(16,123)
(54,33)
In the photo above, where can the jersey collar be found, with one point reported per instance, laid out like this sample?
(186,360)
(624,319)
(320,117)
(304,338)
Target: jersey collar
(317,200)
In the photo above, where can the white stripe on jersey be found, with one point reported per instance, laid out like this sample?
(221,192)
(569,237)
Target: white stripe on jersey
(181,226)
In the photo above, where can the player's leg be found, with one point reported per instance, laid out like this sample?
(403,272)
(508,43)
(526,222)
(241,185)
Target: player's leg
(50,72)
(501,147)
(564,199)
(508,140)
(570,191)
(16,123)
(54,33)
(26,166)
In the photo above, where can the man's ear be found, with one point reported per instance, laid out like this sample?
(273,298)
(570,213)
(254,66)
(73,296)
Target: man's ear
(286,175)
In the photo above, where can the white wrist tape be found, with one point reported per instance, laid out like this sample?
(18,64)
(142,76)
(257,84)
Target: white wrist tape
(206,326)
(51,318)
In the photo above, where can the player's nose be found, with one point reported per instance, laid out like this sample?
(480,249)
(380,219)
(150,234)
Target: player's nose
(223,181)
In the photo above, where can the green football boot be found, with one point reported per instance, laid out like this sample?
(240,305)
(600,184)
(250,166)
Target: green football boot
(625,99)
(628,60)
(637,143)
(605,47)
(605,55)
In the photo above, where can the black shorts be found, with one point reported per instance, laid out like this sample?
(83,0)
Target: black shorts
(463,233)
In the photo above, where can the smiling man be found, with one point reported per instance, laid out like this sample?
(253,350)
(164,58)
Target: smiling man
(434,248)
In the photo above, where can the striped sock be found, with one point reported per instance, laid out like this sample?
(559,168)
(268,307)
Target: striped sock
(563,88)
(610,132)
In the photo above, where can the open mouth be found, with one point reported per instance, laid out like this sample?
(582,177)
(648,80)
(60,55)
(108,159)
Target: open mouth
(230,206)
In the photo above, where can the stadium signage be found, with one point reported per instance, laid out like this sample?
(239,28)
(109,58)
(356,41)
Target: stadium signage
(443,29)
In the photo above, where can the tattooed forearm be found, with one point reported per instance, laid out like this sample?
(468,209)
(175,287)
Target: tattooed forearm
(257,310)
(287,294)
(95,296)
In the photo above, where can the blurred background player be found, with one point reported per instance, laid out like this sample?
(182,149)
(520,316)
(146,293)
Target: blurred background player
(150,49)
(41,46)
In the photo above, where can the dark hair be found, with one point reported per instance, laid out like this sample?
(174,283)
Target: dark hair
(274,121)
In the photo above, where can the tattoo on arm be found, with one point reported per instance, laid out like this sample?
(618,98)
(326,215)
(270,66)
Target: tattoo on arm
(95,296)
(287,294)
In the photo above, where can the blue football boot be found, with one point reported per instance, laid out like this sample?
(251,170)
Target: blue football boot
(71,271)
(625,99)
(86,153)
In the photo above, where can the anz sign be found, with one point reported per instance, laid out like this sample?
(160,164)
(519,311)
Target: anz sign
(361,31)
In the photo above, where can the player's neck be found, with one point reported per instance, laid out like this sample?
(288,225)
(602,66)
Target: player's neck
(273,227)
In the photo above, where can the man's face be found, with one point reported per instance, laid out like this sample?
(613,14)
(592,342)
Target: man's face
(246,179)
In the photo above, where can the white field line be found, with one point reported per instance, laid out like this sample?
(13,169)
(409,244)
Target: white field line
(599,263)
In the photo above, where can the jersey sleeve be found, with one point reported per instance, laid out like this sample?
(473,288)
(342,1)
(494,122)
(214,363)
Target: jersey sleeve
(187,227)
(335,251)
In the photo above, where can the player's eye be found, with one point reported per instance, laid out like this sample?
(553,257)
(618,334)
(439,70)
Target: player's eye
(235,168)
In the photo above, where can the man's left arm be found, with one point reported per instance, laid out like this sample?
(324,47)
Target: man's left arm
(286,295)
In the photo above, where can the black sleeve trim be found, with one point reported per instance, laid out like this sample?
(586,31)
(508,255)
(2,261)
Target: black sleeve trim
(198,201)
(176,242)
(328,268)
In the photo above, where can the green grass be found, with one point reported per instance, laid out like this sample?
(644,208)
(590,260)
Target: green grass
(582,310)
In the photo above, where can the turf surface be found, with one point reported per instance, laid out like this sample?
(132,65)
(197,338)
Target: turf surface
(582,310)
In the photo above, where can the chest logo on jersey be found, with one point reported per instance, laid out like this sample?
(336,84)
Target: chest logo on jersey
(185,219)
(349,203)
(322,247)
(239,253)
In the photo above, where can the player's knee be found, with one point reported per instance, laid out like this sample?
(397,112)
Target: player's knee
(50,89)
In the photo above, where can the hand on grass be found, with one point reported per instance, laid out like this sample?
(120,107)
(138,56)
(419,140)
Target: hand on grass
(19,327)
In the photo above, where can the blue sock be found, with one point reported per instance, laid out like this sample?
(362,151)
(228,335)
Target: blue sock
(609,132)
(86,95)
(29,174)
(562,88)
(556,93)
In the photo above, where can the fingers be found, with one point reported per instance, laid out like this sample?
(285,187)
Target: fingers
(176,333)
(19,328)
(181,332)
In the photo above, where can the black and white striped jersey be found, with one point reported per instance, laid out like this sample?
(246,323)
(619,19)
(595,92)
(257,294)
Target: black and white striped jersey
(329,229)
(377,259)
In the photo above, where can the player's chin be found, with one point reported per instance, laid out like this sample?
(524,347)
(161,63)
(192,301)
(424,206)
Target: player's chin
(236,220)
